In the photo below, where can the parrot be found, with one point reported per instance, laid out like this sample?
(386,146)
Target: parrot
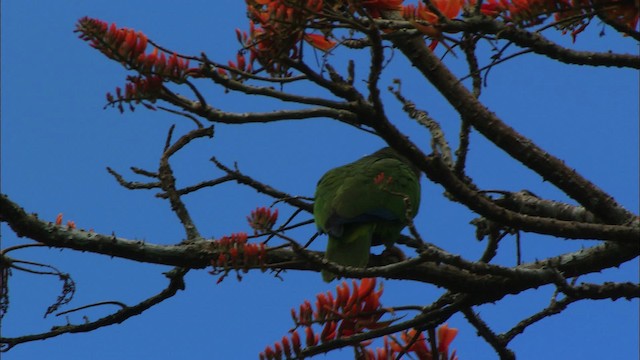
(364,203)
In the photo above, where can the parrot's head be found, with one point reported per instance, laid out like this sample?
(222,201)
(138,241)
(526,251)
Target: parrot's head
(388,152)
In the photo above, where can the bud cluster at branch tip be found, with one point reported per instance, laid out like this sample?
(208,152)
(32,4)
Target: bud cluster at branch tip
(71,225)
(129,48)
(262,220)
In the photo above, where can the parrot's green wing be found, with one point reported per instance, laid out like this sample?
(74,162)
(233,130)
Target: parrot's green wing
(367,202)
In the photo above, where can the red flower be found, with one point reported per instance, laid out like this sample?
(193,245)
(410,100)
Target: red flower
(262,220)
(286,346)
(347,313)
(449,8)
(329,331)
(319,42)
(375,7)
(295,341)
(128,47)
(312,339)
(445,337)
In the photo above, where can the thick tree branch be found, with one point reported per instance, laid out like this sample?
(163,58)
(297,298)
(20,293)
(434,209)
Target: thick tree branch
(611,291)
(505,137)
(534,41)
(437,267)
(525,202)
(541,45)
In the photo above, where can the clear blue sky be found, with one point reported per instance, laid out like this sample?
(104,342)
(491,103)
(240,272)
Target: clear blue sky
(57,141)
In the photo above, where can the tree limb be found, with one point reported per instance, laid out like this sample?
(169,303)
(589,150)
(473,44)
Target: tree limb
(176,282)
(505,137)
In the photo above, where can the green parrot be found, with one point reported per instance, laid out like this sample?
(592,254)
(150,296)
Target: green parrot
(363,204)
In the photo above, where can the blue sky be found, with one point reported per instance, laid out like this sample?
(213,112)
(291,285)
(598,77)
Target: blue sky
(57,141)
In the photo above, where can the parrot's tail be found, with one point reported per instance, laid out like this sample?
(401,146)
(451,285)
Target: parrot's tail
(351,249)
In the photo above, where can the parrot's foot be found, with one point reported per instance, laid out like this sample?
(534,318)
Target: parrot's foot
(390,255)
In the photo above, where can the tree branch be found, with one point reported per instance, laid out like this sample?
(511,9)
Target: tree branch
(541,45)
(215,115)
(263,188)
(505,137)
(176,282)
(498,344)
(525,39)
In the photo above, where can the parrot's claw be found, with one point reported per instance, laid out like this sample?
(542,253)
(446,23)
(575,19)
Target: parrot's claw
(390,255)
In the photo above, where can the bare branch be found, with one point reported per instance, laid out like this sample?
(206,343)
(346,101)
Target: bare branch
(176,283)
(439,142)
(555,307)
(505,137)
(168,181)
(201,185)
(498,344)
(219,116)
(132,185)
(263,188)
(231,84)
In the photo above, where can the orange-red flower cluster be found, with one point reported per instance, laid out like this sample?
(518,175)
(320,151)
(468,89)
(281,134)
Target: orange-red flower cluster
(276,29)
(625,13)
(413,342)
(286,347)
(523,12)
(136,90)
(445,337)
(572,15)
(449,8)
(233,252)
(320,42)
(348,312)
(262,220)
(129,48)
(375,7)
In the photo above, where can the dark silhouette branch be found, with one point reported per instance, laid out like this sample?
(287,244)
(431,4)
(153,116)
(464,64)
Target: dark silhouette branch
(219,116)
(263,188)
(541,45)
(434,266)
(533,41)
(168,181)
(176,283)
(554,308)
(498,344)
(133,185)
(505,137)
(231,84)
